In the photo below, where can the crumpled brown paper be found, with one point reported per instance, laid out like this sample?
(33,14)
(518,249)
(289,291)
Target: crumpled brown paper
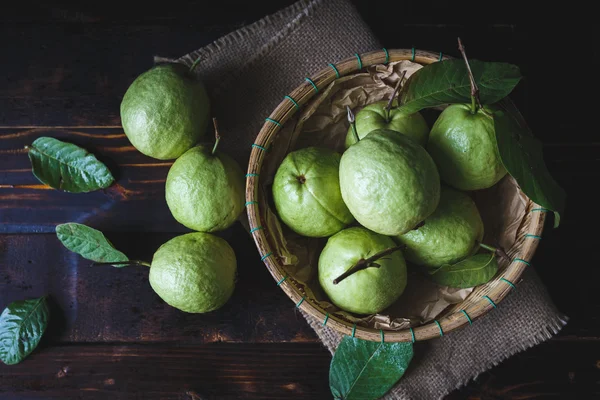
(323,122)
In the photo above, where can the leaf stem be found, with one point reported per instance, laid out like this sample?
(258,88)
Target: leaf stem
(499,251)
(366,263)
(352,121)
(475,101)
(195,63)
(130,262)
(217,137)
(389,104)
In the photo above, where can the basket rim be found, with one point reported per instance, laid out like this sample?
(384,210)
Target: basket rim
(492,292)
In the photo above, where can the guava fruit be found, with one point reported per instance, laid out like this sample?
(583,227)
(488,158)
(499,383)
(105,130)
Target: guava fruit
(194,272)
(306,193)
(374,116)
(165,111)
(463,145)
(448,235)
(375,285)
(205,190)
(389,182)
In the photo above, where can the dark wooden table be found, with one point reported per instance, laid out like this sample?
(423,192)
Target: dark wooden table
(64,70)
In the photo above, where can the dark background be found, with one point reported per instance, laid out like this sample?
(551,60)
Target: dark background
(64,70)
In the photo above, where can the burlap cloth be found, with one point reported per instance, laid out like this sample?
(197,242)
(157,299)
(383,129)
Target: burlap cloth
(247,74)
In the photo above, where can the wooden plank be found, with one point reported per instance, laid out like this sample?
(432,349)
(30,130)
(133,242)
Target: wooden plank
(136,202)
(278,371)
(76,76)
(106,304)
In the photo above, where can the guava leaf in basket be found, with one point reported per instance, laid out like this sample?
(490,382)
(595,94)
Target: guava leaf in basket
(364,370)
(522,157)
(447,82)
(472,271)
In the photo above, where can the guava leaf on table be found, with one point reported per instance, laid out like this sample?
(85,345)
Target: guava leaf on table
(22,325)
(366,370)
(67,167)
(472,271)
(447,82)
(88,242)
(522,157)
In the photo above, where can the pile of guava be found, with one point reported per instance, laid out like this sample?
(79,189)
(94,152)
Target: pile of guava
(398,195)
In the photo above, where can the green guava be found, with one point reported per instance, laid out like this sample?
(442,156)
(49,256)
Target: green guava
(306,193)
(194,272)
(448,235)
(389,182)
(374,116)
(165,111)
(205,191)
(369,290)
(463,145)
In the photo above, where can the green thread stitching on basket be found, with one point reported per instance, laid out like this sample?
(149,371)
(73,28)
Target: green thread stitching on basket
(441,56)
(251,174)
(250,202)
(293,101)
(387,56)
(300,302)
(326,319)
(313,84)
(255,229)
(263,258)
(359,60)
(273,121)
(282,280)
(258,146)
(540,210)
(529,235)
(337,73)
(439,326)
(490,300)
(523,261)
(412,332)
(468,318)
(353,330)
(413,54)
(382,336)
(509,282)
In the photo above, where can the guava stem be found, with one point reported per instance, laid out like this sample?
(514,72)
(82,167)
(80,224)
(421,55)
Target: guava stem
(194,64)
(217,137)
(130,262)
(490,248)
(389,104)
(352,121)
(475,101)
(366,263)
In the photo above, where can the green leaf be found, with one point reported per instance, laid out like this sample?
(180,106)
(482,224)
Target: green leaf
(22,325)
(88,242)
(365,370)
(448,82)
(522,157)
(472,271)
(67,167)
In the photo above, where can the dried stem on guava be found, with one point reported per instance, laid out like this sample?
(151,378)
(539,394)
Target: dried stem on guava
(352,121)
(389,104)
(217,137)
(366,263)
(475,101)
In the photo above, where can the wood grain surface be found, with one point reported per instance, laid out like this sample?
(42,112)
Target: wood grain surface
(64,71)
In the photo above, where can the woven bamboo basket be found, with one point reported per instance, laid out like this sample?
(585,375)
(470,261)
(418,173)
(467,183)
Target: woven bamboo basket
(482,300)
